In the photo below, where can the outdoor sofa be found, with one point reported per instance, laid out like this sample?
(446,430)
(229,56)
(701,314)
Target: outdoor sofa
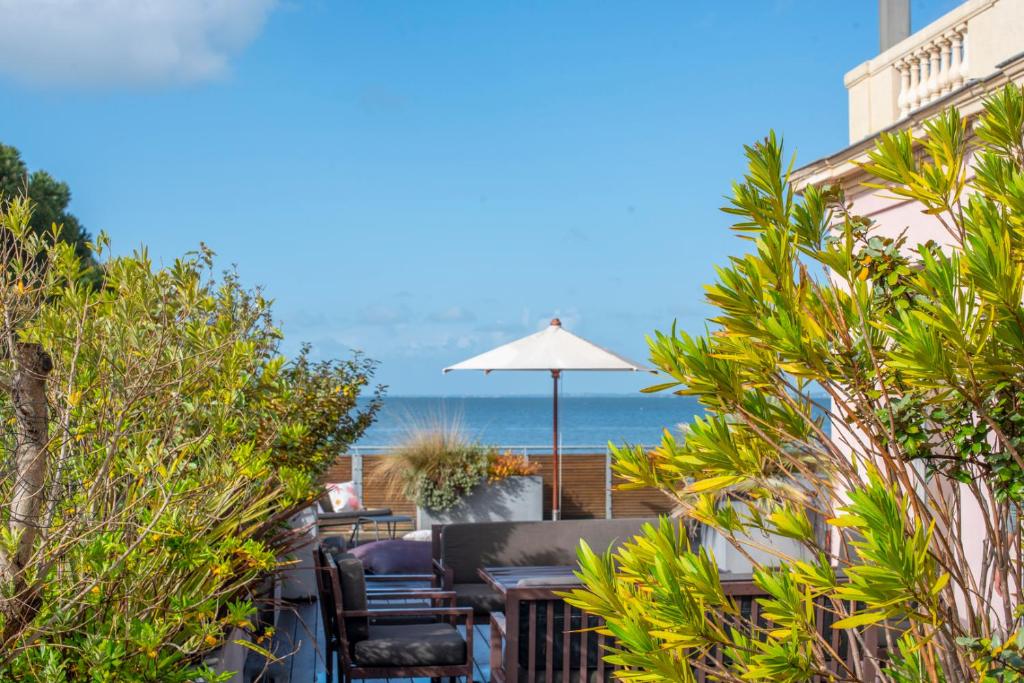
(459,550)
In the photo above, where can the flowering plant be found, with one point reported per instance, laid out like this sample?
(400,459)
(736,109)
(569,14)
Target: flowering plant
(510,465)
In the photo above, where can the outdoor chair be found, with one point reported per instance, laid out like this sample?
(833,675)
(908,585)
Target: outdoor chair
(383,642)
(548,642)
(330,521)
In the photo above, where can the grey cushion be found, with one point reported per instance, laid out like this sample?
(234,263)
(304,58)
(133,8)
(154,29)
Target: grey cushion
(479,596)
(467,547)
(353,592)
(411,645)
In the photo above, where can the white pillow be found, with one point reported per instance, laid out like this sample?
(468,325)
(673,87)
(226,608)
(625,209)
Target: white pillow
(343,496)
(419,535)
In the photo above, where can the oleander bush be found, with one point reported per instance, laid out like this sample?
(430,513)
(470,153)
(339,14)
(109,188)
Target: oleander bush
(155,440)
(919,351)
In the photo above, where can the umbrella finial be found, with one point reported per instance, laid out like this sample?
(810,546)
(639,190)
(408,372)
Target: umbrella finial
(555,322)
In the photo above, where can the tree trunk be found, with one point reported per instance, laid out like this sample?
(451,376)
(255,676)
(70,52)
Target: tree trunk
(31,460)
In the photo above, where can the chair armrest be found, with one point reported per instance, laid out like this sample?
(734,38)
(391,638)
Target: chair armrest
(498,622)
(399,577)
(445,575)
(412,593)
(498,637)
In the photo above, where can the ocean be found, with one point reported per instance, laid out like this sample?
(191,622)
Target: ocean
(525,421)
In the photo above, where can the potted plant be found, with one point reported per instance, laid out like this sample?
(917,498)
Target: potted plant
(453,479)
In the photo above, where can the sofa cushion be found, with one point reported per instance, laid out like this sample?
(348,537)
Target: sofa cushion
(479,596)
(394,557)
(467,547)
(411,645)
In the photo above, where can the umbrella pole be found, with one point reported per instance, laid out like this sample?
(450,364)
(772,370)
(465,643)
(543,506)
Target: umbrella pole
(555,460)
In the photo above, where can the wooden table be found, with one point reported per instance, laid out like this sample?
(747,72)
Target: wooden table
(558,644)
(539,582)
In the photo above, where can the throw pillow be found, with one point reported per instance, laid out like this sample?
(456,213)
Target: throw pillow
(394,557)
(343,496)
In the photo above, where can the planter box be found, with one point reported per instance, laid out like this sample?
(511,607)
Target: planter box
(298,581)
(732,560)
(515,499)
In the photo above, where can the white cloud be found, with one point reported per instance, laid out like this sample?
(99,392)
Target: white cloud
(455,314)
(113,43)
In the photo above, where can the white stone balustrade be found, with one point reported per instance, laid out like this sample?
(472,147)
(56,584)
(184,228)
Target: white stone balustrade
(933,70)
(968,43)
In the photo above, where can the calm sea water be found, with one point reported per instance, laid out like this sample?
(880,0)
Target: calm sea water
(526,420)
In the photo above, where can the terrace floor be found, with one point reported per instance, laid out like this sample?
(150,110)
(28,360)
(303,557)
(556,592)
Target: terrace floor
(300,632)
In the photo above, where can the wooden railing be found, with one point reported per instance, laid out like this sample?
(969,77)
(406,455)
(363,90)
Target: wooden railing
(589,489)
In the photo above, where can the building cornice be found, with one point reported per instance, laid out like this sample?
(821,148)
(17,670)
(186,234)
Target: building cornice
(842,167)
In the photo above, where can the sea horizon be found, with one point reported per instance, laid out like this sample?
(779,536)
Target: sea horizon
(525,420)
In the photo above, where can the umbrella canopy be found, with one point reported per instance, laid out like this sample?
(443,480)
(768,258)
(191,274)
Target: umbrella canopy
(553,350)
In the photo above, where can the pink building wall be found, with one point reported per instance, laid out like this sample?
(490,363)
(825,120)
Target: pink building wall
(892,216)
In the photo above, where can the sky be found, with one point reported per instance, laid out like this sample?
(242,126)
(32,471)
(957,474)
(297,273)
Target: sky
(421,181)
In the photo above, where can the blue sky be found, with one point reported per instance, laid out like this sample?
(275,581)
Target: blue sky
(425,180)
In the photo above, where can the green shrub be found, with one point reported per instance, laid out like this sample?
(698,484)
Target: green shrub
(174,441)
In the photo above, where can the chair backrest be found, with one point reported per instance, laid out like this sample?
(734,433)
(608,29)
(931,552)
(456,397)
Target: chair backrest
(325,594)
(466,547)
(348,588)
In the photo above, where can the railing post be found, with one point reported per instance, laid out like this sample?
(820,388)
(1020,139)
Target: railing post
(903,101)
(607,482)
(357,472)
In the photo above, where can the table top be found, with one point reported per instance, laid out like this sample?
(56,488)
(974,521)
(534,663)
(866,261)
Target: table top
(385,518)
(539,579)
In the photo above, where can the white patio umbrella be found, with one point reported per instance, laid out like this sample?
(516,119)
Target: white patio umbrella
(553,350)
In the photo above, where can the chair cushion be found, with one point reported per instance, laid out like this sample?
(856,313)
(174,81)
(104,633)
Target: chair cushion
(411,645)
(479,596)
(353,592)
(394,557)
